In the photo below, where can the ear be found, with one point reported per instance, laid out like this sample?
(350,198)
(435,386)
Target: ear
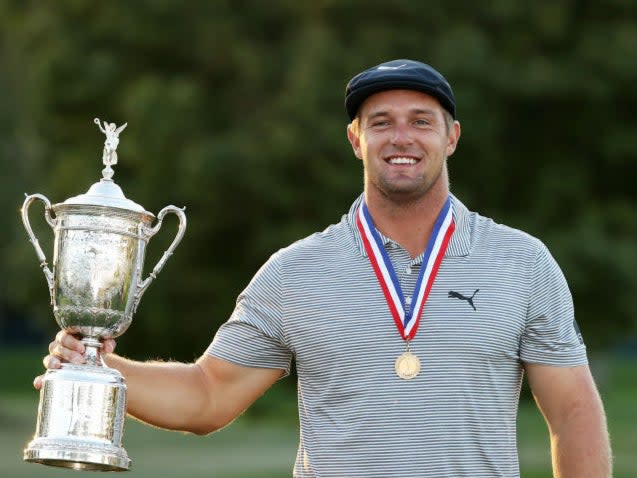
(453,138)
(354,139)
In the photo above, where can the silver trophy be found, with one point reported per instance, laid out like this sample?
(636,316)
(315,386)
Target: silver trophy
(96,284)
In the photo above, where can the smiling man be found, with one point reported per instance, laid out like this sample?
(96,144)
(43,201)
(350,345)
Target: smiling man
(403,369)
(406,143)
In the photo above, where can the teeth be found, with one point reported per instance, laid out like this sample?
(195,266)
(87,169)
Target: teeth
(402,161)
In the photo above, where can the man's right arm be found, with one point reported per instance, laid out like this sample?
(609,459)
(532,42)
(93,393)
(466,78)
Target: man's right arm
(200,397)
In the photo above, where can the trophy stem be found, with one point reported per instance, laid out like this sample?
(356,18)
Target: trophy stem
(92,351)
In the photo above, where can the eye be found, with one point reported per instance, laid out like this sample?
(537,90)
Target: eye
(421,122)
(380,123)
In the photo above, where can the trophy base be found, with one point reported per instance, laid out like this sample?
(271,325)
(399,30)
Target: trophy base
(81,420)
(77,456)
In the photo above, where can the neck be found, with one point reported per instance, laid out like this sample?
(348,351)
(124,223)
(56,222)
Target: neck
(409,224)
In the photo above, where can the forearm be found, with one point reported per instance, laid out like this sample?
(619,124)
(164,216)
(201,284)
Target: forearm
(169,395)
(200,397)
(580,446)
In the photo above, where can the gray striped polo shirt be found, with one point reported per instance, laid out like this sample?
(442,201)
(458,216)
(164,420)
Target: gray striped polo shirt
(318,302)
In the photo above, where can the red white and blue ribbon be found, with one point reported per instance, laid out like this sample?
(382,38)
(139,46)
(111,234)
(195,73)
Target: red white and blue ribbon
(407,321)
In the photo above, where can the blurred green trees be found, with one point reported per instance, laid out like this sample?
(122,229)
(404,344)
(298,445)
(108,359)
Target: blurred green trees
(235,110)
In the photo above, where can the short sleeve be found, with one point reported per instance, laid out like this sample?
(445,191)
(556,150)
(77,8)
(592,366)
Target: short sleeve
(551,335)
(253,336)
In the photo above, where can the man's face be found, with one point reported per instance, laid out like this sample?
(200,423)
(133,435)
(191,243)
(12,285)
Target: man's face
(403,140)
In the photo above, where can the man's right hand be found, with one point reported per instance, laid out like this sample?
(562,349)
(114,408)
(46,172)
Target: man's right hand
(68,348)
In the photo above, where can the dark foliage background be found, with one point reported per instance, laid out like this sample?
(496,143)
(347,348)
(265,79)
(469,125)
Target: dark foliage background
(234,110)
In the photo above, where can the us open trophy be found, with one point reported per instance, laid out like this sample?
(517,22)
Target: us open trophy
(96,284)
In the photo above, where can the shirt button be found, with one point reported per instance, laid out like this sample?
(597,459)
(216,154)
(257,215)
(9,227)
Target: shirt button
(408,270)
(408,300)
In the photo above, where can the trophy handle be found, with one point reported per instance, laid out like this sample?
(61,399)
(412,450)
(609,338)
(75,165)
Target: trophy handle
(36,245)
(142,286)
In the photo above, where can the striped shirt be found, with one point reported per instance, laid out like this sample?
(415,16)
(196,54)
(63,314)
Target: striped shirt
(318,302)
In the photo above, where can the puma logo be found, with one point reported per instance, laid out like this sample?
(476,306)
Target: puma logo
(458,295)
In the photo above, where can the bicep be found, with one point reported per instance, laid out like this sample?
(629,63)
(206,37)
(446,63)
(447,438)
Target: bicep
(562,392)
(232,388)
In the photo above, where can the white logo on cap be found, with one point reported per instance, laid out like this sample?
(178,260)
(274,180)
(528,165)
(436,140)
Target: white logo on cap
(385,67)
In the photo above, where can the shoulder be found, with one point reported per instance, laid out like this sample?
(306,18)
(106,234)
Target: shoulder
(490,244)
(503,240)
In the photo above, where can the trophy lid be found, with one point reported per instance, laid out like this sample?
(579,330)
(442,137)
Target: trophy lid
(106,192)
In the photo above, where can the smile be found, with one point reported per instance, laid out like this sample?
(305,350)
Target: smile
(401,160)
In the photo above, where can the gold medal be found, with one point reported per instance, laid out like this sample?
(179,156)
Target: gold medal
(407,365)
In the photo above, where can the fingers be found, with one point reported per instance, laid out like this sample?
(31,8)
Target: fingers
(51,361)
(37,382)
(65,348)
(69,341)
(68,348)
(108,345)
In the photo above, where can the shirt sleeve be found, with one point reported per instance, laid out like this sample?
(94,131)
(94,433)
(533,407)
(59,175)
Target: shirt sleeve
(551,335)
(253,336)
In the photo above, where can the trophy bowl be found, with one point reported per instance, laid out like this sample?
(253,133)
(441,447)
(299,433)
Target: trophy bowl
(96,284)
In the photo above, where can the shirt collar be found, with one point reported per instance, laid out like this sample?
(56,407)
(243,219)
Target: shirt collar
(459,246)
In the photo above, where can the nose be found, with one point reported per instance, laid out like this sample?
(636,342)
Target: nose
(401,135)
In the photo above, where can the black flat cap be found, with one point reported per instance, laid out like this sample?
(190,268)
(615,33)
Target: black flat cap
(398,75)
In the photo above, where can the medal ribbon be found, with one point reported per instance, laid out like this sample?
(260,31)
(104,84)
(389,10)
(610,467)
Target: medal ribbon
(407,322)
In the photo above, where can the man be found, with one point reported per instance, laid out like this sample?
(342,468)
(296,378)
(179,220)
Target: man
(410,321)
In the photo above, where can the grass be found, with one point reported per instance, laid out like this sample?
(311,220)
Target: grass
(263,444)
(241,450)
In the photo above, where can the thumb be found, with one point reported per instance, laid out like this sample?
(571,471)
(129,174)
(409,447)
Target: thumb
(108,346)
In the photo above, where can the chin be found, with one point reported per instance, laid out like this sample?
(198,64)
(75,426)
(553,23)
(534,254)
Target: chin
(403,195)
